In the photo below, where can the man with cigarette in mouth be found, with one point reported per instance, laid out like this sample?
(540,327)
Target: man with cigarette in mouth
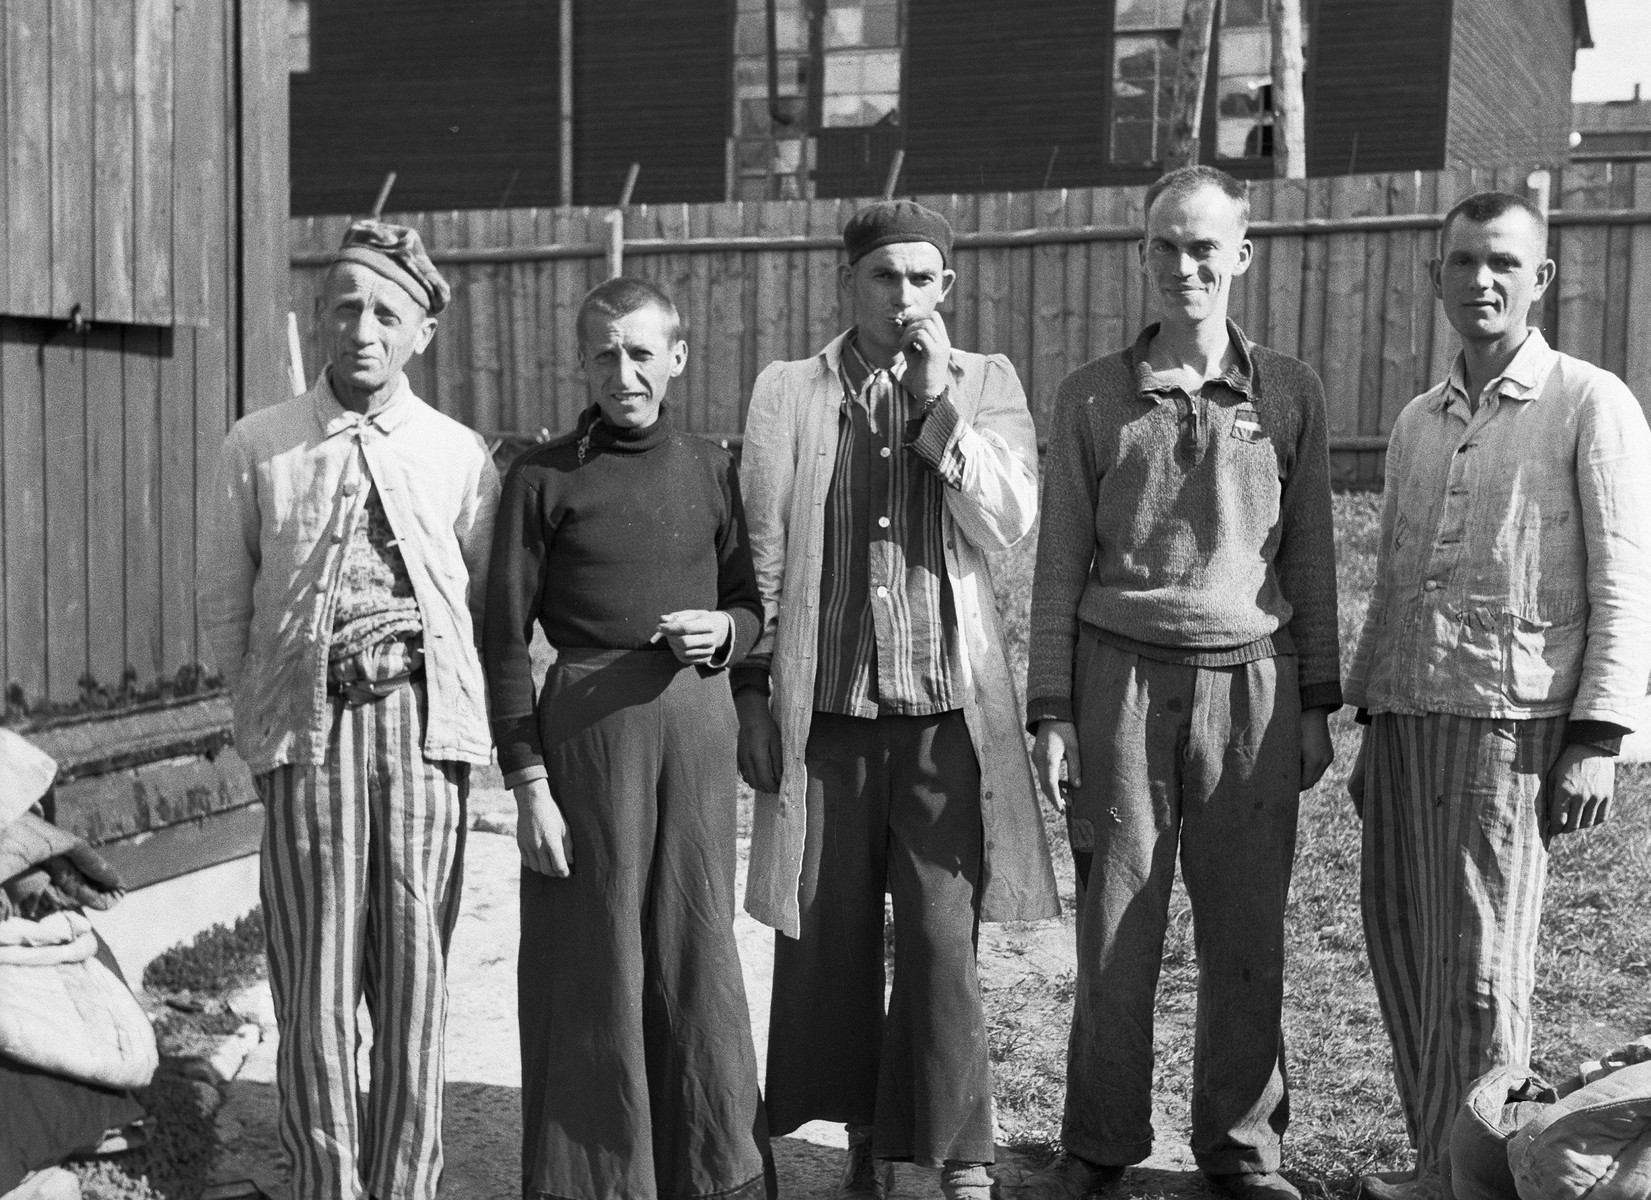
(878,722)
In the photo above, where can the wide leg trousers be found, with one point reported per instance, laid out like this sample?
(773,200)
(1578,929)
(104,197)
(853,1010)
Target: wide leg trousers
(1453,874)
(893,804)
(362,861)
(1208,759)
(639,1077)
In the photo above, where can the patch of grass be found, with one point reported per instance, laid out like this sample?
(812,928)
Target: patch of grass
(1594,972)
(221,959)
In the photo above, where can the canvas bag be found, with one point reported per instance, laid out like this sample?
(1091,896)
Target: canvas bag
(64,1010)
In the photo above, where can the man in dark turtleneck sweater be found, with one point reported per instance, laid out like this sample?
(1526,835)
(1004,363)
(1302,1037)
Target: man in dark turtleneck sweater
(625,541)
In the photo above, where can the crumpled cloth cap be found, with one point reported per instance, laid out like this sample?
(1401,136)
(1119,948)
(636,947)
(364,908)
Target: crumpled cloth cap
(397,253)
(890,221)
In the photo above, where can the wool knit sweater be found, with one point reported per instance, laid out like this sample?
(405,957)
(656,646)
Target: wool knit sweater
(1190,528)
(601,532)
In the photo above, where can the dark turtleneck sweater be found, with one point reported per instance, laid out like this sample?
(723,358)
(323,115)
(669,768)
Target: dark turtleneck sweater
(600,532)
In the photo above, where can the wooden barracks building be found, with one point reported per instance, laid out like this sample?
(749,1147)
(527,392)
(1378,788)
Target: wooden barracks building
(725,98)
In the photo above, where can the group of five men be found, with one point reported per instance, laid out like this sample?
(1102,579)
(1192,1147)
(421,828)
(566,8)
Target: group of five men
(824,618)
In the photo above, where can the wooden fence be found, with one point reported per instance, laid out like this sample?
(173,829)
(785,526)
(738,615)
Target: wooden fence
(1340,278)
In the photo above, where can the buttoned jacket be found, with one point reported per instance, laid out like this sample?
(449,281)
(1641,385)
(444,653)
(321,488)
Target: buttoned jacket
(787,459)
(290,485)
(1514,572)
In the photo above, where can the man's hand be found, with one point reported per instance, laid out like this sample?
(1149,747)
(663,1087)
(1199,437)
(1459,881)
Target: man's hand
(541,834)
(760,760)
(1057,742)
(695,634)
(1576,794)
(928,350)
(1316,751)
(1355,779)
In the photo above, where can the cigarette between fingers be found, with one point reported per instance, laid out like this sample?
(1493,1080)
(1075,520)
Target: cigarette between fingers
(657,635)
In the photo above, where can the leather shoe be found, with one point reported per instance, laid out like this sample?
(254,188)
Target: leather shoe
(864,1177)
(1067,1178)
(1254,1185)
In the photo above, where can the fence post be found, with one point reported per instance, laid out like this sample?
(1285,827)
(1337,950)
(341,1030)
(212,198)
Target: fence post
(616,242)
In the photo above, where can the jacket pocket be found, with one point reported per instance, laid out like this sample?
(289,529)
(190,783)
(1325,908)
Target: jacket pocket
(1542,655)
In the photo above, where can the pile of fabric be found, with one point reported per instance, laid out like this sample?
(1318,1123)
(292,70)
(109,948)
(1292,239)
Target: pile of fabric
(73,1040)
(1588,1138)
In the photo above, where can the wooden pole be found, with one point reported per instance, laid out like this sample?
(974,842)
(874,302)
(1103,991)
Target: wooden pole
(630,184)
(893,178)
(1192,69)
(1289,99)
(383,195)
(564,39)
(616,243)
(295,358)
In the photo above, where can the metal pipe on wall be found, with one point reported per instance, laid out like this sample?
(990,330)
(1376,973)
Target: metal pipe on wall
(564,39)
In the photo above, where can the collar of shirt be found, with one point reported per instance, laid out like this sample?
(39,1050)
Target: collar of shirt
(1521,379)
(1150,385)
(334,418)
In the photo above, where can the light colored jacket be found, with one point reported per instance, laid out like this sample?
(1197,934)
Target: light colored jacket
(1514,575)
(289,484)
(785,473)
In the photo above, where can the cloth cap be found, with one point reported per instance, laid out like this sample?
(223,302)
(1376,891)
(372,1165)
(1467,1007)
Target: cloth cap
(397,253)
(890,221)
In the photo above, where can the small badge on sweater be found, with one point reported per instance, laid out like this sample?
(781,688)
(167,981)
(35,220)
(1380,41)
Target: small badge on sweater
(1247,424)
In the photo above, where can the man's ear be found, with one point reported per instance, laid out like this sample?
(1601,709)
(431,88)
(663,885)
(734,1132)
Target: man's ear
(427,330)
(1545,273)
(1435,272)
(948,277)
(1246,256)
(679,358)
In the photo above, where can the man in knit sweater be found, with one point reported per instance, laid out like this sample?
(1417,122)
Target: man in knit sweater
(1183,664)
(624,541)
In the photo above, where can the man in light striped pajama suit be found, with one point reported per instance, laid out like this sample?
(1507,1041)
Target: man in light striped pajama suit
(1503,658)
(342,598)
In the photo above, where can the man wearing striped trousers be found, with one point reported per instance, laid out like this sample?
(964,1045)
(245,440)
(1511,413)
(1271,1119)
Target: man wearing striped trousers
(351,545)
(1503,658)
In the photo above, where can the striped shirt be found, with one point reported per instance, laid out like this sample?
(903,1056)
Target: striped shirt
(888,627)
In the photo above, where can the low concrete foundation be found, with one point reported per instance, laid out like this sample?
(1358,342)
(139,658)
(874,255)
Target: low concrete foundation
(151,920)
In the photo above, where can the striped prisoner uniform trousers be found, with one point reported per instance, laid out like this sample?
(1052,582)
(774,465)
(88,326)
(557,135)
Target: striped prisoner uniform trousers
(1453,872)
(362,860)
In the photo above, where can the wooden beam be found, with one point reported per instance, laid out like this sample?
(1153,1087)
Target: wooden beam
(1186,131)
(1289,98)
(1381,223)
(150,858)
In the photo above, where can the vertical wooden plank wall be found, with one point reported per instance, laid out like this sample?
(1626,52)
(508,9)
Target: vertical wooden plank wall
(119,191)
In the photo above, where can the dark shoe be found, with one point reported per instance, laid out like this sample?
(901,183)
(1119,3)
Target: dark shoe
(1254,1185)
(1067,1178)
(864,1178)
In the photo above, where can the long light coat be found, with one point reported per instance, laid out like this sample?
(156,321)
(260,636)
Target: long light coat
(786,465)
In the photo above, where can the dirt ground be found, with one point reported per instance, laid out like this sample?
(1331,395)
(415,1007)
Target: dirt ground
(483,1122)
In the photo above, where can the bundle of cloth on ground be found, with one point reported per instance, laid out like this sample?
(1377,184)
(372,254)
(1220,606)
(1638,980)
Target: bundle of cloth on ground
(1589,1138)
(73,1039)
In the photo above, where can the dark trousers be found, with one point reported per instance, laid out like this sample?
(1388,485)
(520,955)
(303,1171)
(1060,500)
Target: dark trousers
(895,804)
(639,1079)
(1209,759)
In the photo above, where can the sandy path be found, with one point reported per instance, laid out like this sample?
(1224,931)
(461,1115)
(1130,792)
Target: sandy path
(483,1122)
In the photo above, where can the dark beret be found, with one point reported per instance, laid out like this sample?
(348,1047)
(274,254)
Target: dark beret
(397,253)
(890,221)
